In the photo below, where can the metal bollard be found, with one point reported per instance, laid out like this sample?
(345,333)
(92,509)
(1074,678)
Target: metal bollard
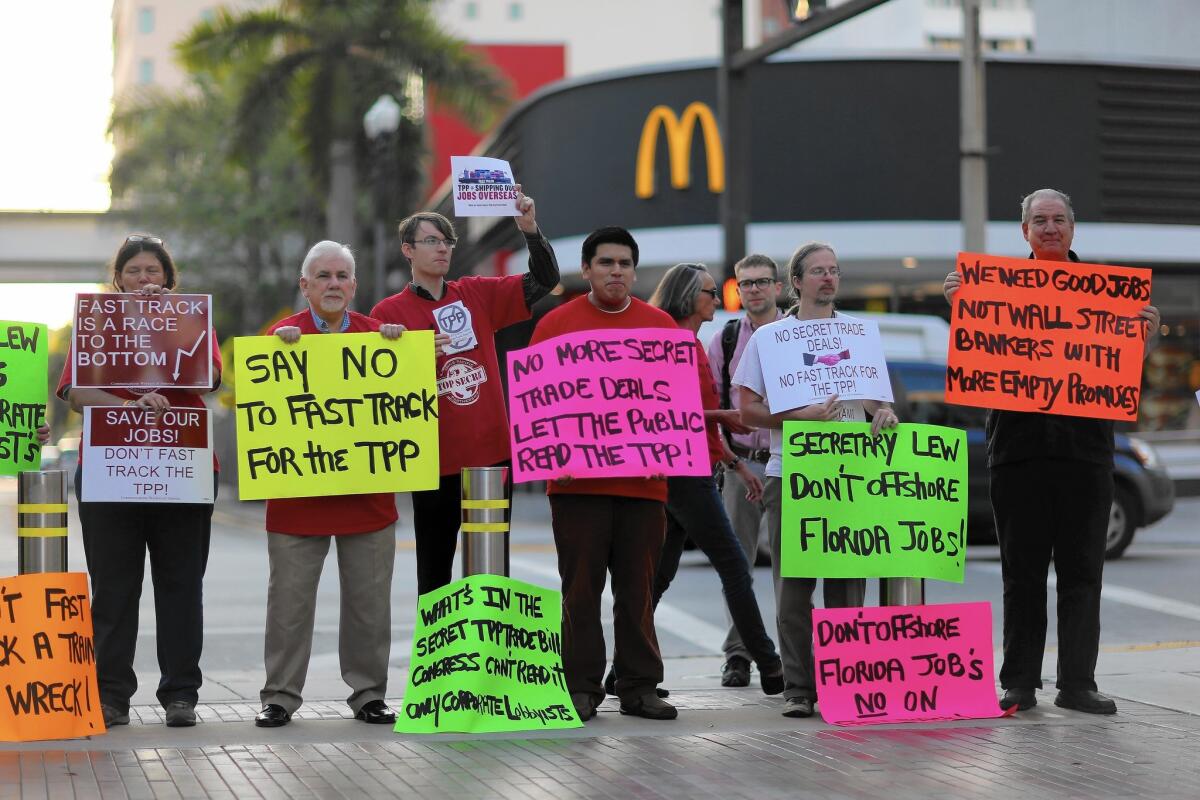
(901,591)
(42,521)
(484,530)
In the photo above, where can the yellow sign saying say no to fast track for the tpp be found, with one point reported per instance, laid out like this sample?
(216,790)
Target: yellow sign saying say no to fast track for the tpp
(346,413)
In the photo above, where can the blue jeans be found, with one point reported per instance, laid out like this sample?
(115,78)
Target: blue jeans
(695,510)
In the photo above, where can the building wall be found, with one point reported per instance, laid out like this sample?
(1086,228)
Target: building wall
(1119,29)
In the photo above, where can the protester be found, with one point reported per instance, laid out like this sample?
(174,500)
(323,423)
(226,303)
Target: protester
(467,312)
(604,525)
(1051,490)
(299,531)
(689,294)
(117,536)
(815,277)
(758,288)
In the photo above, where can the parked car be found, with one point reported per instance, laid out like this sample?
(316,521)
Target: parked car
(1143,495)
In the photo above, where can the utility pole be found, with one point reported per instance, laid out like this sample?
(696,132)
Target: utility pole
(734,203)
(973,199)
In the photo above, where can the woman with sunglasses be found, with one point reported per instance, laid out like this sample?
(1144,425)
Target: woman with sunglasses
(694,508)
(116,536)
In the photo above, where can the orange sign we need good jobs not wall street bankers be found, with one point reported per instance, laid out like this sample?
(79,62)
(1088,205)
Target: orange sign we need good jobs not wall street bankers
(1057,337)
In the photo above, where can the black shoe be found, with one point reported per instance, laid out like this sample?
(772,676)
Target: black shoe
(771,679)
(585,709)
(272,716)
(1086,700)
(798,707)
(610,685)
(1023,699)
(180,714)
(113,717)
(650,706)
(376,712)
(736,672)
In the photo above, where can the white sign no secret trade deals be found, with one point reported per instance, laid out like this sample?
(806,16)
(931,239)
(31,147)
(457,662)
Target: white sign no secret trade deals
(805,361)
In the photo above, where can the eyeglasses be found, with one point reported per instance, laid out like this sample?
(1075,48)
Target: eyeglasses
(433,241)
(757,283)
(821,272)
(137,238)
(712,293)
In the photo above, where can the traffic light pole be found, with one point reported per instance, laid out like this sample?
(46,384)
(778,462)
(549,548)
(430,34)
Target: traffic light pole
(732,102)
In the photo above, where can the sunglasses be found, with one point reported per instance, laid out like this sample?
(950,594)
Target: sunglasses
(137,238)
(714,293)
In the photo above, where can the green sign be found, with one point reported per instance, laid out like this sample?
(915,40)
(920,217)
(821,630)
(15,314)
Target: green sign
(487,657)
(24,364)
(861,506)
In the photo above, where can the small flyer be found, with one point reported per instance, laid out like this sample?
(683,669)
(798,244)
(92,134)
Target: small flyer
(483,187)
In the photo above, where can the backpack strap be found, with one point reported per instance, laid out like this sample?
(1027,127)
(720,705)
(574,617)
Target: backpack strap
(729,337)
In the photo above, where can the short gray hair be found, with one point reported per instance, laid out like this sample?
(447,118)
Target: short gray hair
(677,291)
(1051,194)
(325,249)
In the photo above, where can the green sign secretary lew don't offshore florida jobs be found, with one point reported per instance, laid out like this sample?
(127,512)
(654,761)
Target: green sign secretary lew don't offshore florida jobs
(892,505)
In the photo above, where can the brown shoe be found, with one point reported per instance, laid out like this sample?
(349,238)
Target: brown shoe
(650,706)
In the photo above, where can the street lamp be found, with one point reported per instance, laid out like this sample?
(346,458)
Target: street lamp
(381,122)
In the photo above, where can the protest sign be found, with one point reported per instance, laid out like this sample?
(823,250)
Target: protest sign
(805,361)
(133,455)
(607,403)
(346,413)
(863,506)
(904,663)
(24,364)
(47,659)
(487,657)
(142,340)
(1050,336)
(483,187)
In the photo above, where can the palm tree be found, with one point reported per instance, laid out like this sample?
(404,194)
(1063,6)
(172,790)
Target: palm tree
(324,62)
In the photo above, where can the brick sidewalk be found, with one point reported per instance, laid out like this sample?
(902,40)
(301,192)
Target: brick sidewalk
(1141,752)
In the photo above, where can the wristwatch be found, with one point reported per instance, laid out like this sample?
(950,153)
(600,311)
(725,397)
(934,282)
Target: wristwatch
(734,463)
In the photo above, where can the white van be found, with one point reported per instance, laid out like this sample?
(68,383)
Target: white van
(906,337)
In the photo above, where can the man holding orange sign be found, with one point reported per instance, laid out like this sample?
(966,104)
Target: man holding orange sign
(1073,367)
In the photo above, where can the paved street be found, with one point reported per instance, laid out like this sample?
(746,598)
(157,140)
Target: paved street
(727,743)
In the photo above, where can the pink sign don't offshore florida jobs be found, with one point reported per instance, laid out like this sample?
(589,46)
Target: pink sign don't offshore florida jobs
(607,404)
(905,663)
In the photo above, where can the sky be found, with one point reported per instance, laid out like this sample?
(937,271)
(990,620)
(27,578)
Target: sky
(56,93)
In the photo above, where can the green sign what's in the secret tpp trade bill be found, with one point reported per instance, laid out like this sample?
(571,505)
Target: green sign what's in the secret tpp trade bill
(487,657)
(861,506)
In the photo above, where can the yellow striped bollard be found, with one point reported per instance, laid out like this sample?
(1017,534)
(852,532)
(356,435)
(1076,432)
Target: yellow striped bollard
(42,521)
(484,521)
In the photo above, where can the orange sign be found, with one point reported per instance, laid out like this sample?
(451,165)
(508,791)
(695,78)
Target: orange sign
(47,659)
(1052,336)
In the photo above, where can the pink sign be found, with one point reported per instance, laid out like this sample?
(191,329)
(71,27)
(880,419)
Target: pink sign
(905,663)
(607,404)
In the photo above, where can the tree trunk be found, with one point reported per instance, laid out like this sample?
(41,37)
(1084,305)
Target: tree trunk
(340,204)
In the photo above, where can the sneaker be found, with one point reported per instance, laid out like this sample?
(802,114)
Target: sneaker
(736,672)
(649,706)
(180,714)
(113,717)
(798,707)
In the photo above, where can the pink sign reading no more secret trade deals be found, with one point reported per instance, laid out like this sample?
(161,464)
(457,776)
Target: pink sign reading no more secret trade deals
(607,404)
(904,663)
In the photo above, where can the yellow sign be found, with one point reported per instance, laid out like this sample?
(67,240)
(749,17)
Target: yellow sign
(346,413)
(679,132)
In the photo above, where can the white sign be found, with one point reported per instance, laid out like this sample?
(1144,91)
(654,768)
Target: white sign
(131,455)
(483,187)
(805,361)
(455,321)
